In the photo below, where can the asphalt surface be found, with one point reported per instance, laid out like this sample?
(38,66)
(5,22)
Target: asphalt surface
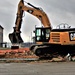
(52,68)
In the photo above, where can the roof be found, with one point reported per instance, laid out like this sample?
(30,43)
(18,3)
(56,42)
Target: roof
(1,27)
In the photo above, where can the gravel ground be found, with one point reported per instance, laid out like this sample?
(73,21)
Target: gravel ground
(35,68)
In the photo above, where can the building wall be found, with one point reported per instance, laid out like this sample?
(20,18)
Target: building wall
(1,35)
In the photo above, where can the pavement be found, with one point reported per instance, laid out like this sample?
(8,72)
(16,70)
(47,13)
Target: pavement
(35,68)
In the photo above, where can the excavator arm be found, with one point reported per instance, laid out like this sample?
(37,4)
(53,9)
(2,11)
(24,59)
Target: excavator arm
(39,13)
(15,37)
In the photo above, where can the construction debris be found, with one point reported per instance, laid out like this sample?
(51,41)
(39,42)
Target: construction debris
(23,54)
(17,53)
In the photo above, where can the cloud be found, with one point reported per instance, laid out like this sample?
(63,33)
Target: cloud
(58,11)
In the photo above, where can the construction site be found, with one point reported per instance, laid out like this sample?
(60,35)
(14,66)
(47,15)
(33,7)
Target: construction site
(51,51)
(48,44)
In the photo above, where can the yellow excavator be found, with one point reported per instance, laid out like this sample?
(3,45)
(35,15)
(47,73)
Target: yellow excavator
(53,42)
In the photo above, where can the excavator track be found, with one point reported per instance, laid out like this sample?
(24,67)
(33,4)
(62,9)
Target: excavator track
(53,50)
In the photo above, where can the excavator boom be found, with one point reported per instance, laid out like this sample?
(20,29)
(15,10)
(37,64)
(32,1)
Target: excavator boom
(15,37)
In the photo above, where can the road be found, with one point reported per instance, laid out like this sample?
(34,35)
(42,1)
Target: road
(52,68)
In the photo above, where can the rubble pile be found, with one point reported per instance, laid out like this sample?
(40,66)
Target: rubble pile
(17,53)
(25,54)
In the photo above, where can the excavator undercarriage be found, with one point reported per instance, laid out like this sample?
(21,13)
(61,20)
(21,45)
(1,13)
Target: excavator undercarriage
(53,50)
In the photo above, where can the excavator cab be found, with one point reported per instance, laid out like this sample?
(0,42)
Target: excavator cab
(42,34)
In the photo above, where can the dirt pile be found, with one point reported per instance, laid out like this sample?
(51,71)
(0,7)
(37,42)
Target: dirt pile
(17,53)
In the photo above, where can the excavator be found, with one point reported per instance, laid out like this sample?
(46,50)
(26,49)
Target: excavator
(53,42)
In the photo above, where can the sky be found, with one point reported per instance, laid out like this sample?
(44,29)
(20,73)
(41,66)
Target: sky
(58,11)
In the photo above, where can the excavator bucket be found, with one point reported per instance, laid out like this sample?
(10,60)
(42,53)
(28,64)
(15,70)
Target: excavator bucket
(15,38)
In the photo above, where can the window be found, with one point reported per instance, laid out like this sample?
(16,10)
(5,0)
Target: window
(38,32)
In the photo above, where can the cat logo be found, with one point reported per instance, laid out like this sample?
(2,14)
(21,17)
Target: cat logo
(72,36)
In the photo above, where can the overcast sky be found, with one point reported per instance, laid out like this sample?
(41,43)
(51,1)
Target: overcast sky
(58,11)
